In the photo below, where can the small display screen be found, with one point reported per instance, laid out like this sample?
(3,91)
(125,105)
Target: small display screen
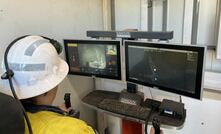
(94,58)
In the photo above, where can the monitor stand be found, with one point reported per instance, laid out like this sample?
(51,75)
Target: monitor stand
(94,82)
(131,88)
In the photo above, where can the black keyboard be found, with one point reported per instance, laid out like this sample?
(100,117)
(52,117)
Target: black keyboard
(95,97)
(118,107)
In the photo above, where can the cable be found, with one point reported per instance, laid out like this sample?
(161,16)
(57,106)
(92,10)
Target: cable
(9,74)
(181,99)
(146,124)
(146,121)
(145,128)
(152,109)
(19,102)
(151,93)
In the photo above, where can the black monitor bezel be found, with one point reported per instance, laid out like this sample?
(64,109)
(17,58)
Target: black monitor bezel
(103,42)
(200,66)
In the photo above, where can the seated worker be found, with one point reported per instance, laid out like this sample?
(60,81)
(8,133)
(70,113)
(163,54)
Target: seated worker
(38,70)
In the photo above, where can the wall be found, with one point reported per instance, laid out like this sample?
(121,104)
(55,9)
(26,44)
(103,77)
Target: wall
(58,19)
(206,27)
(207,32)
(175,19)
(127,14)
(202,116)
(134,14)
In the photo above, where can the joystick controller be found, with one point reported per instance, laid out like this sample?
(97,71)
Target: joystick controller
(67,100)
(72,112)
(156,125)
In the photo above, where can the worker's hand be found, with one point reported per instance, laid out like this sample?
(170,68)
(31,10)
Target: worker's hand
(152,131)
(63,107)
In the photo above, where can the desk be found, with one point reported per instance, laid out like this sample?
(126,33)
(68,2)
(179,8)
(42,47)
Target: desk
(95,97)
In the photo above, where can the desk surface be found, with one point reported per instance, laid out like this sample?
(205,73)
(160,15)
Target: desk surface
(95,97)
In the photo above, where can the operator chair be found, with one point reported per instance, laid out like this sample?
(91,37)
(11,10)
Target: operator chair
(11,116)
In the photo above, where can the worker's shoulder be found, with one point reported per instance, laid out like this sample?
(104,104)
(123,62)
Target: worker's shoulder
(54,117)
(60,122)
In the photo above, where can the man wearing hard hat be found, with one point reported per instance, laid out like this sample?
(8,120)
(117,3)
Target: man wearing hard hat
(36,70)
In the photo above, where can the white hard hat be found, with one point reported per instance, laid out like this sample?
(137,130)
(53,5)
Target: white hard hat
(36,65)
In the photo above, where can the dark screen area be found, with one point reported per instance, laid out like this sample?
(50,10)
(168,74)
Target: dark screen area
(172,69)
(97,58)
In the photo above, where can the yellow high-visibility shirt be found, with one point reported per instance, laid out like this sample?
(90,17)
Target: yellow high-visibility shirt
(46,122)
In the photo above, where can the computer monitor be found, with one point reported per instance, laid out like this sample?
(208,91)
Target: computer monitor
(169,67)
(99,58)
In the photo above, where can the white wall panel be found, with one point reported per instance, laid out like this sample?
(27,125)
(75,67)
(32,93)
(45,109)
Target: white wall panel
(107,14)
(216,65)
(175,19)
(128,14)
(144,15)
(209,57)
(207,21)
(218,54)
(187,24)
(157,15)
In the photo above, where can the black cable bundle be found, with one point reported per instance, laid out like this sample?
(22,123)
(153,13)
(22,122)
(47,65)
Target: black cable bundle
(8,75)
(146,122)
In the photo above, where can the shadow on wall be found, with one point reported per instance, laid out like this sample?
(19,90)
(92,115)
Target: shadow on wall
(78,87)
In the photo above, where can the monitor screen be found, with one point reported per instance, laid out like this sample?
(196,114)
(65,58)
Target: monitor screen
(169,67)
(97,58)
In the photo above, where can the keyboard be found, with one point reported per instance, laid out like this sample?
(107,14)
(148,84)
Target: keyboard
(130,98)
(118,107)
(95,97)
